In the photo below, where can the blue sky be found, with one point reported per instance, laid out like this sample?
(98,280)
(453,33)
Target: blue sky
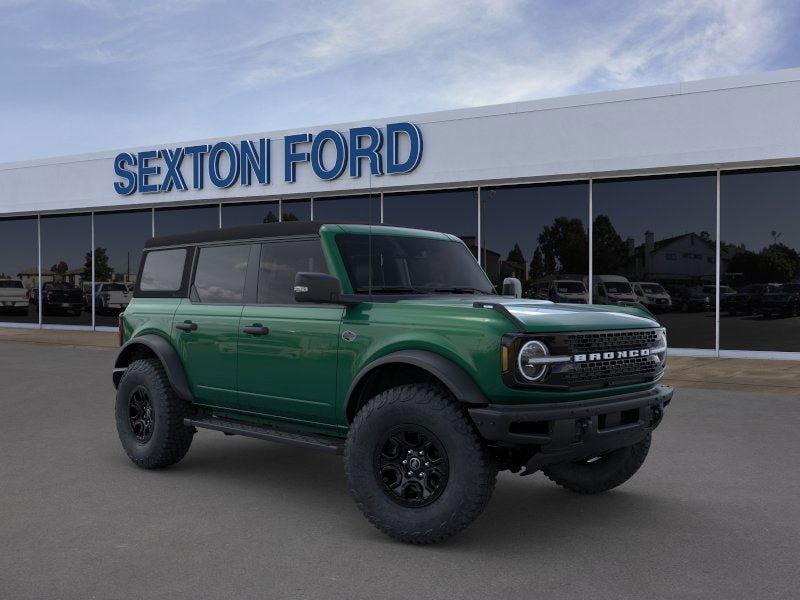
(86,75)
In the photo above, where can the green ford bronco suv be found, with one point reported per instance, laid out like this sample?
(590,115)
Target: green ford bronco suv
(389,346)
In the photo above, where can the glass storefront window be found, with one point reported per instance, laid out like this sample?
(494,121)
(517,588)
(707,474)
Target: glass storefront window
(349,209)
(296,210)
(19,270)
(118,238)
(249,213)
(653,243)
(538,234)
(171,221)
(760,260)
(66,269)
(451,211)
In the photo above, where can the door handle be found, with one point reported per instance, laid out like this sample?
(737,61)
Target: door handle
(186,326)
(256,329)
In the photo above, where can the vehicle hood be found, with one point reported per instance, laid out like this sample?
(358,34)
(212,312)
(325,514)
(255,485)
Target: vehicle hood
(542,315)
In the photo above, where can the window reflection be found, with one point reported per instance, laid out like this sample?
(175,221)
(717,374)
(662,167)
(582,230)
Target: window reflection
(453,212)
(760,233)
(296,210)
(119,238)
(249,213)
(350,209)
(169,221)
(19,270)
(538,234)
(653,244)
(66,269)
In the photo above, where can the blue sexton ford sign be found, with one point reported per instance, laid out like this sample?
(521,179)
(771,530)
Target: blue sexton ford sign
(329,152)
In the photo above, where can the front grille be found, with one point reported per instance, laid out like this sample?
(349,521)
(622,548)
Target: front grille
(602,341)
(609,371)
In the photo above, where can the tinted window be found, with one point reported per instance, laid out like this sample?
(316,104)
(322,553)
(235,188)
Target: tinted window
(280,262)
(760,244)
(19,260)
(220,274)
(249,213)
(67,260)
(352,209)
(296,210)
(401,264)
(538,234)
(660,230)
(163,270)
(171,221)
(11,283)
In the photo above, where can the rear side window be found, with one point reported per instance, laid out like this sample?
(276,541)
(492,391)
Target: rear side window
(220,274)
(10,284)
(163,270)
(280,262)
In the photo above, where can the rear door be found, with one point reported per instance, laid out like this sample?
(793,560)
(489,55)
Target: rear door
(288,352)
(207,323)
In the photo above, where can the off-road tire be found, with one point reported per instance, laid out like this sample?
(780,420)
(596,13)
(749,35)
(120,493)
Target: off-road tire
(607,472)
(472,473)
(170,438)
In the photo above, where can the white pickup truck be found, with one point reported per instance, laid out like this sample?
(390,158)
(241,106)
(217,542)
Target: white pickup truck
(13,296)
(112,297)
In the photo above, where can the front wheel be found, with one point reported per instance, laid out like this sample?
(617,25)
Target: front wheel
(415,465)
(600,473)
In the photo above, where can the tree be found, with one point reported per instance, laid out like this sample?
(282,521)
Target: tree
(270,218)
(610,250)
(537,265)
(515,255)
(60,268)
(564,246)
(290,217)
(102,270)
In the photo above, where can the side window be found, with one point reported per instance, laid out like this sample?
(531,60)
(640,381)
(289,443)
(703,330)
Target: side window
(163,270)
(280,262)
(220,274)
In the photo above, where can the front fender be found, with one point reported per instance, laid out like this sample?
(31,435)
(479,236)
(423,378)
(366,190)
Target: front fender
(165,352)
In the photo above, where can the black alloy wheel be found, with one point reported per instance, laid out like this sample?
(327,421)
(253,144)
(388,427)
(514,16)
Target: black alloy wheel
(411,465)
(140,414)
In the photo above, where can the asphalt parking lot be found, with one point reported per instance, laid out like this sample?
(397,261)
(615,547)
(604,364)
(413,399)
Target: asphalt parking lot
(714,513)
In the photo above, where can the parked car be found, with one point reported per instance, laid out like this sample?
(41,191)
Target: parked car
(13,296)
(59,297)
(389,346)
(747,301)
(653,295)
(690,299)
(567,291)
(109,297)
(783,302)
(724,292)
(615,290)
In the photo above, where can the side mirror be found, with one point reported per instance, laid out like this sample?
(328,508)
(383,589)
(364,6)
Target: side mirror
(319,288)
(512,287)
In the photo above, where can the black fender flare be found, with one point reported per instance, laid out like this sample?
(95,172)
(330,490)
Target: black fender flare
(456,379)
(165,352)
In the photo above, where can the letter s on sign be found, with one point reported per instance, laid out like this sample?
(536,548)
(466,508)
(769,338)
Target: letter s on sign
(128,186)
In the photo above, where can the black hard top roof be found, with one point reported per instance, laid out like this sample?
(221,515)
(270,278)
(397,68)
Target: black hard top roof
(246,232)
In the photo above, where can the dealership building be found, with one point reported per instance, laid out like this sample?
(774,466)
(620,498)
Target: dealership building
(685,197)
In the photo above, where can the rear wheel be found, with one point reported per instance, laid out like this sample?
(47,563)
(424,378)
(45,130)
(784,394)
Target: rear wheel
(415,465)
(150,416)
(600,473)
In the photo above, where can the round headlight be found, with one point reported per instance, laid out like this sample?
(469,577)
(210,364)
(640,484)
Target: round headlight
(527,362)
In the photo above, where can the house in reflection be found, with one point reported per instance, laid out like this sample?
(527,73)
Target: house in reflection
(688,259)
(496,267)
(29,277)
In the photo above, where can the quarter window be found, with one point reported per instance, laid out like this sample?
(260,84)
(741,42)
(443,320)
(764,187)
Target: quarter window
(163,270)
(280,262)
(220,274)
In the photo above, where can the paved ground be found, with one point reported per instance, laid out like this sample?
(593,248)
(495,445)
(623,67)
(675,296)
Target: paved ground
(713,514)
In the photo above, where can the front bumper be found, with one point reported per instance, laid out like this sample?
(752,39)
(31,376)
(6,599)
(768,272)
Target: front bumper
(565,432)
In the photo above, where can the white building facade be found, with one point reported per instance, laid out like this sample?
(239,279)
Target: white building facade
(587,185)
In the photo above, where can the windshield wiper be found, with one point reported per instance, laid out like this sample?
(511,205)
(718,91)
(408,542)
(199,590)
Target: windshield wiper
(388,289)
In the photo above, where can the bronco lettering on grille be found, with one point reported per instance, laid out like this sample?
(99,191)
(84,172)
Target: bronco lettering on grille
(594,356)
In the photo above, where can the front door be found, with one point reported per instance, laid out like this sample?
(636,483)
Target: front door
(288,352)
(207,323)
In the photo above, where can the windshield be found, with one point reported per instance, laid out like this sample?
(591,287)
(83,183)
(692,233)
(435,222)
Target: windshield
(402,264)
(570,287)
(653,288)
(11,283)
(617,287)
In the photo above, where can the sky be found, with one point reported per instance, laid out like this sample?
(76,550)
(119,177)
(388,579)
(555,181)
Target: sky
(87,75)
